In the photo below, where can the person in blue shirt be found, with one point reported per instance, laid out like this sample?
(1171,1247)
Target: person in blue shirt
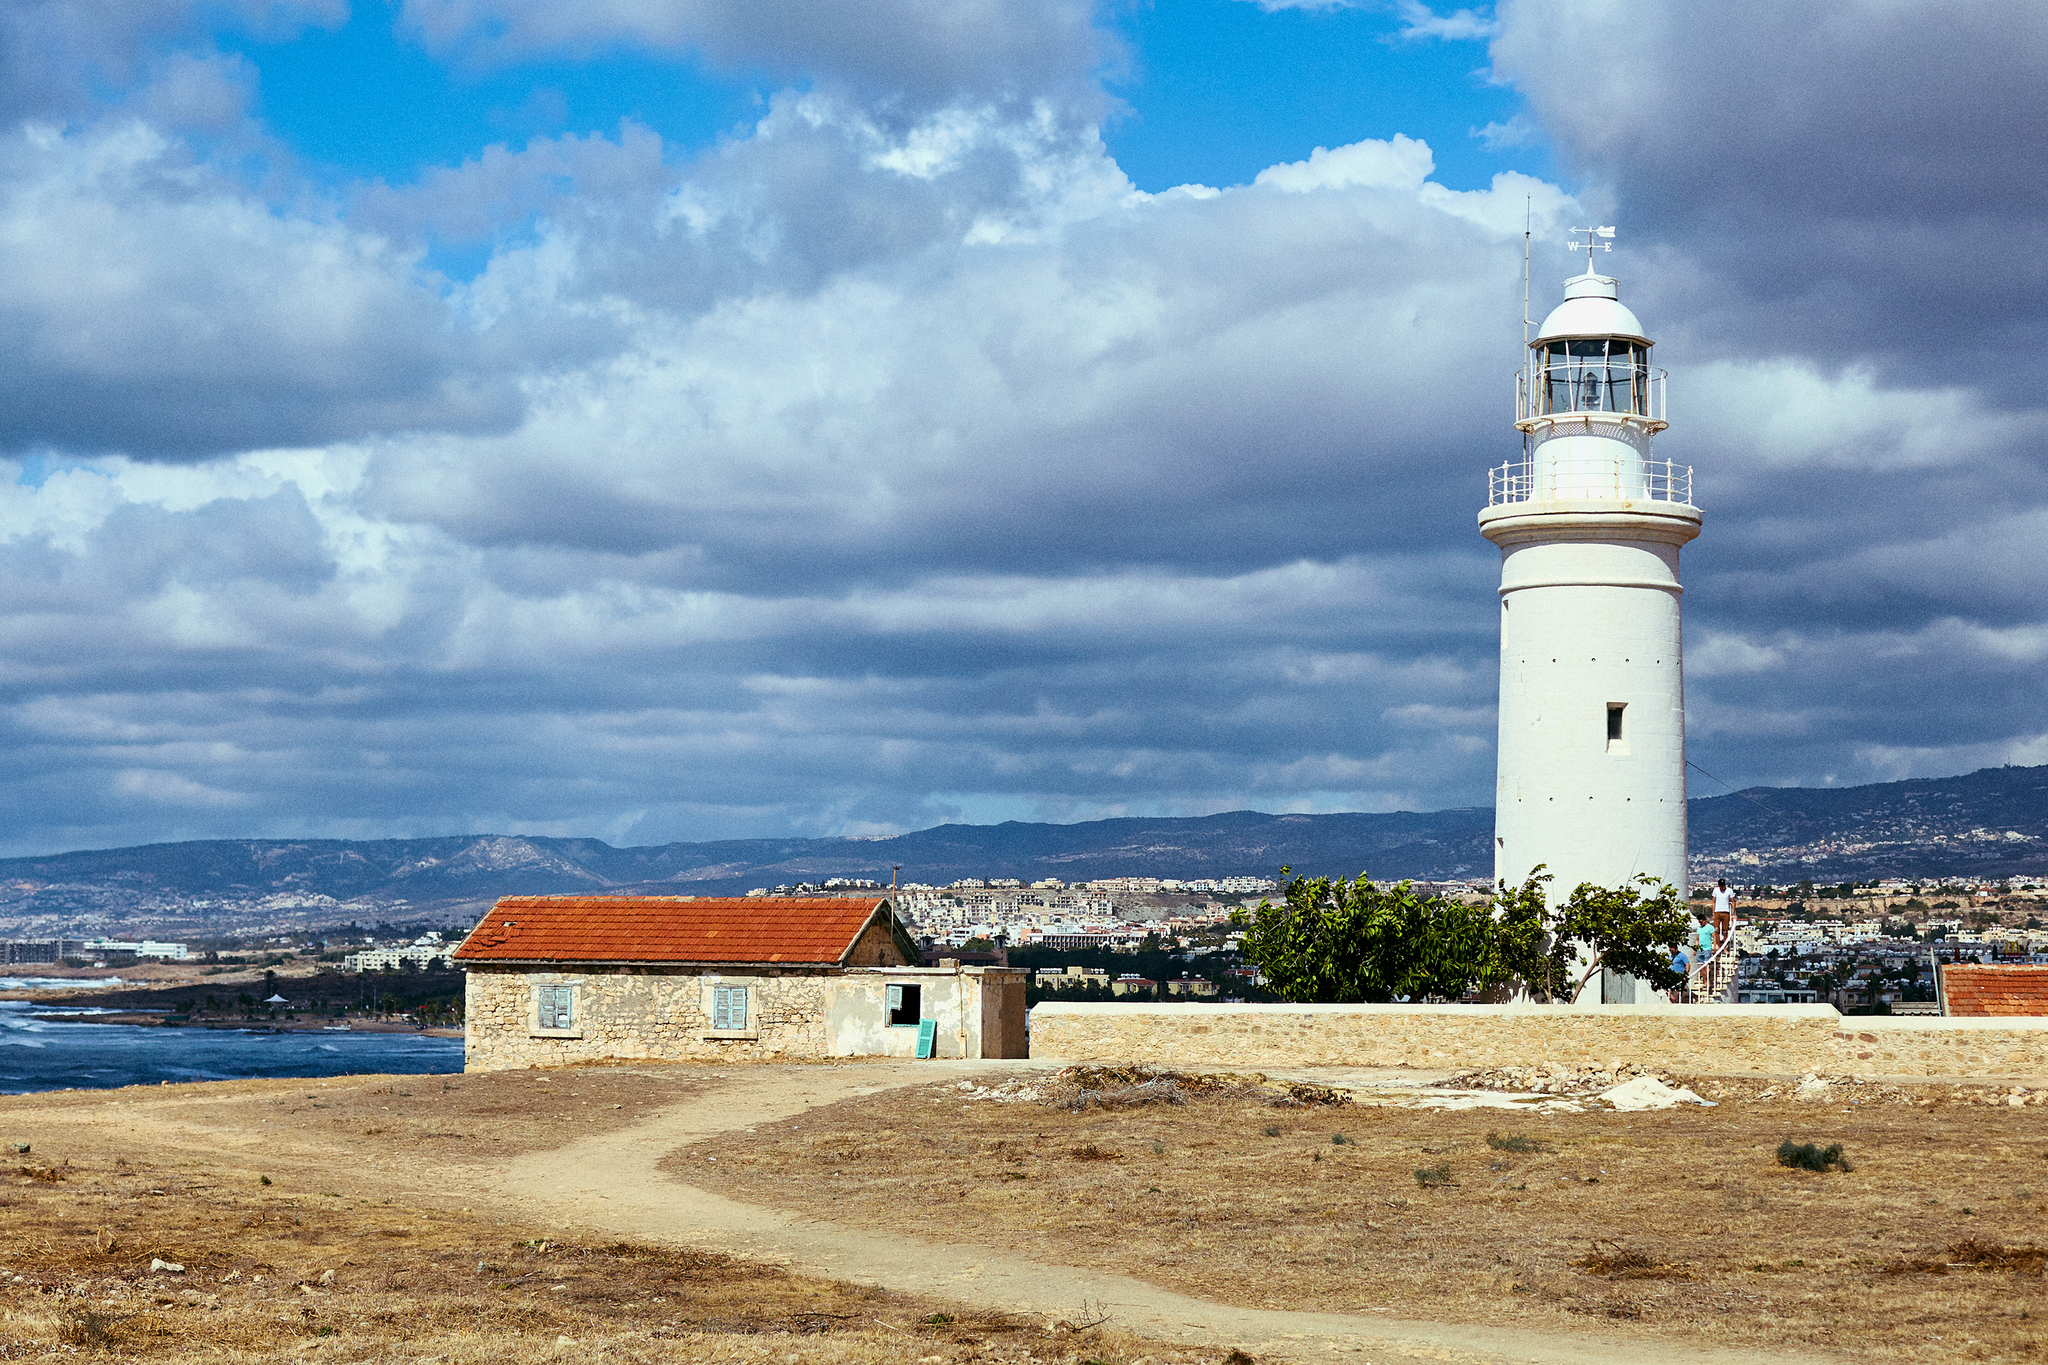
(1681,962)
(1706,937)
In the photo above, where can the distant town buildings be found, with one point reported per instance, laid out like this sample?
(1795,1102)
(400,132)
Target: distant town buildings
(51,951)
(427,950)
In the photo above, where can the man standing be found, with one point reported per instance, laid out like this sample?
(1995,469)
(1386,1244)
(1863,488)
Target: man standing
(1724,913)
(1681,962)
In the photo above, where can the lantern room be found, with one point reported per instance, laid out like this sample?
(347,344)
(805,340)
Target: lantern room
(1591,357)
(1587,402)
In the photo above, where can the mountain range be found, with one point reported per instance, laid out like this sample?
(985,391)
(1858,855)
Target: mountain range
(1993,822)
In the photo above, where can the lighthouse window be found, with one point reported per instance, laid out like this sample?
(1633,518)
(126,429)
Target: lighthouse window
(1614,739)
(1601,374)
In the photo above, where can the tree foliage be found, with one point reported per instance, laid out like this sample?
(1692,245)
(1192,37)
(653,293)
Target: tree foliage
(1333,941)
(1633,928)
(1529,951)
(1351,942)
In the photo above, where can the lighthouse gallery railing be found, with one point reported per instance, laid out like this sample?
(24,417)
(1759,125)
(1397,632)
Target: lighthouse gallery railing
(1598,478)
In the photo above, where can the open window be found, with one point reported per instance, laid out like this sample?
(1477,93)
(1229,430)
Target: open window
(906,1006)
(1617,742)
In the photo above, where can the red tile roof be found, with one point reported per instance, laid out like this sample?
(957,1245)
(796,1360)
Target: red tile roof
(816,932)
(1991,991)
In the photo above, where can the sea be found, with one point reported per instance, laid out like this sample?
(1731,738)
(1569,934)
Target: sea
(69,1053)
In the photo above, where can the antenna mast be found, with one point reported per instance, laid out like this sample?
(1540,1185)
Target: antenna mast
(1528,222)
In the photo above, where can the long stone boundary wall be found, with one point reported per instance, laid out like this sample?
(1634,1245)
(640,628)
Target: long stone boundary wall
(1770,1040)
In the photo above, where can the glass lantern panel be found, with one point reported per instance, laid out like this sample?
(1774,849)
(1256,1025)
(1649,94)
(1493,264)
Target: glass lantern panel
(1600,374)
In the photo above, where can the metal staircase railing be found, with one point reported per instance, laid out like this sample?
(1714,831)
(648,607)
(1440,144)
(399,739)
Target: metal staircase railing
(1713,982)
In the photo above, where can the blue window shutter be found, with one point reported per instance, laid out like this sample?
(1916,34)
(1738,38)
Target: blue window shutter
(927,1035)
(554,1009)
(895,998)
(729,1007)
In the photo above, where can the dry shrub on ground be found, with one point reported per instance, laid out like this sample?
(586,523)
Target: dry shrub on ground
(1316,1209)
(1133,1086)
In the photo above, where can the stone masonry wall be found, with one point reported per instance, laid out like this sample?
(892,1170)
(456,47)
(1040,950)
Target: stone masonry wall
(1906,1045)
(639,1014)
(1706,1039)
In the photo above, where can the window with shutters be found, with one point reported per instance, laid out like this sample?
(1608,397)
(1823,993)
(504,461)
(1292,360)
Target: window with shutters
(729,1007)
(906,1006)
(554,1009)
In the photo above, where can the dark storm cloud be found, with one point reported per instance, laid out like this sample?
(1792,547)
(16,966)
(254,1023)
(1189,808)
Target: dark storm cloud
(1853,179)
(1834,213)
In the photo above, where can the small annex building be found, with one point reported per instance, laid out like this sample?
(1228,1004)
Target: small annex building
(554,980)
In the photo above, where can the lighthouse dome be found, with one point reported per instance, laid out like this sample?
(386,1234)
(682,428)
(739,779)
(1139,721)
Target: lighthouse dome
(1590,309)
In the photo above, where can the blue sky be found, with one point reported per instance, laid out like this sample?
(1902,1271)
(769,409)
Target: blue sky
(665,419)
(1206,91)
(1214,91)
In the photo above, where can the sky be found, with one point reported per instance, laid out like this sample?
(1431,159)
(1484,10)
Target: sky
(687,419)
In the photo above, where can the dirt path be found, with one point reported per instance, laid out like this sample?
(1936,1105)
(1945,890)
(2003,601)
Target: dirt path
(612,1182)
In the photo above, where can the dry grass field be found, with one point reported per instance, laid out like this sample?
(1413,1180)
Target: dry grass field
(279,1204)
(1675,1225)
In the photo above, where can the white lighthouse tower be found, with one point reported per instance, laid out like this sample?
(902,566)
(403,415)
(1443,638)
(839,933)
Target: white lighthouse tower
(1592,690)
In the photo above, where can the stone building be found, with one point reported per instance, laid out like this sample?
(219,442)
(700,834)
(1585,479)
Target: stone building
(554,980)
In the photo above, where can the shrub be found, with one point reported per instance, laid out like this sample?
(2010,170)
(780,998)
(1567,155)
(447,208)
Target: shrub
(1808,1156)
(1433,1177)
(1515,1142)
(1624,1261)
(2025,1259)
(86,1327)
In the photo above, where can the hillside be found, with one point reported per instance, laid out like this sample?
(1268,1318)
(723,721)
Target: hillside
(1991,822)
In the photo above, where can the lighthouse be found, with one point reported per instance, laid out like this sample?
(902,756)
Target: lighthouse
(1591,781)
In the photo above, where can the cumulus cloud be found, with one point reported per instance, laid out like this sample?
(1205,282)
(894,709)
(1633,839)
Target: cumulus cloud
(1418,21)
(149,306)
(955,522)
(896,460)
(916,53)
(55,54)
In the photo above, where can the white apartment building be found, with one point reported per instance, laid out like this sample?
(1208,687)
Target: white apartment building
(420,952)
(166,952)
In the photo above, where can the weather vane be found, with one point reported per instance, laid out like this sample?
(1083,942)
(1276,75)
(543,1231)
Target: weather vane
(1597,239)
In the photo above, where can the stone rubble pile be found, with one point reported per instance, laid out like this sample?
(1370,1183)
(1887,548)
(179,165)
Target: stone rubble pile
(1550,1078)
(1817,1088)
(1009,1092)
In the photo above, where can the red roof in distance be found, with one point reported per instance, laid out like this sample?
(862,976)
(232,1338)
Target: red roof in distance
(1991,992)
(755,929)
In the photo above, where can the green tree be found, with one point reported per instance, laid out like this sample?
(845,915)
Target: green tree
(1350,942)
(1333,941)
(1528,951)
(1635,928)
